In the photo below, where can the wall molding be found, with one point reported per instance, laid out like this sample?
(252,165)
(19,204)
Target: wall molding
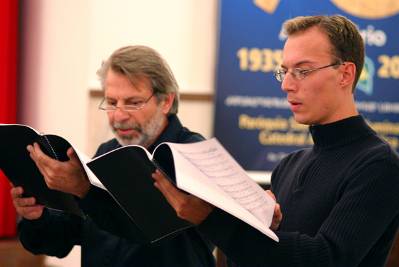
(183,96)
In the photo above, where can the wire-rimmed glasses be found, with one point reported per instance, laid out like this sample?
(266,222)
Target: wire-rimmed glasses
(299,73)
(131,106)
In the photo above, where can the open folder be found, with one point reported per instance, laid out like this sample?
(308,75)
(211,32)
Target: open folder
(204,169)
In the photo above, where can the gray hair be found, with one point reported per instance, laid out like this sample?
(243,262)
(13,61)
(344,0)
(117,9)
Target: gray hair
(137,61)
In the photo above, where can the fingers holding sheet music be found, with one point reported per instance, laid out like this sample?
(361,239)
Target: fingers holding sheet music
(25,206)
(66,176)
(187,207)
(277,215)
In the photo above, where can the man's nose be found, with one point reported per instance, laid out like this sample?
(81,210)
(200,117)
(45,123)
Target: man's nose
(289,83)
(120,114)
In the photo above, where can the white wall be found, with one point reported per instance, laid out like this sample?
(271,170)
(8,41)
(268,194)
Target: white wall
(183,31)
(54,73)
(64,41)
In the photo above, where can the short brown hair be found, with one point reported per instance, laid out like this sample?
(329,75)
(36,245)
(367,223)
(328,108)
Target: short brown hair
(344,36)
(136,61)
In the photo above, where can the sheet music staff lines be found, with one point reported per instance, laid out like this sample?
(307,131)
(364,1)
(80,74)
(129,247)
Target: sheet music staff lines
(229,177)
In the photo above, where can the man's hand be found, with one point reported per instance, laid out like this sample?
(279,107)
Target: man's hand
(67,176)
(193,209)
(277,215)
(187,207)
(25,206)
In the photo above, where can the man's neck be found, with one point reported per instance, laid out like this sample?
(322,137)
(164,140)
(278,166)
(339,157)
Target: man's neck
(161,129)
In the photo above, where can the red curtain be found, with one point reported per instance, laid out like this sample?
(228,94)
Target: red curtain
(8,88)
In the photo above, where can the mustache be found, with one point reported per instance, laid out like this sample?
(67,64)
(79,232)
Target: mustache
(125,126)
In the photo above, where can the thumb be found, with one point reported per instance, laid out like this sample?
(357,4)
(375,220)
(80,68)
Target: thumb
(72,154)
(270,193)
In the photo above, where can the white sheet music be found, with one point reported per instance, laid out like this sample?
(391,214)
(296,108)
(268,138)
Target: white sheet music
(229,186)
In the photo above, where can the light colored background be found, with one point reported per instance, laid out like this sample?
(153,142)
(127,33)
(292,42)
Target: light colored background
(63,42)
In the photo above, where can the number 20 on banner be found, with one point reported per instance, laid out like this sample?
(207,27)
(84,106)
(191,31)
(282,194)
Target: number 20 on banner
(389,67)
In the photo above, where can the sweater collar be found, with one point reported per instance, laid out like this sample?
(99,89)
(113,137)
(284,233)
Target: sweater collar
(339,132)
(170,133)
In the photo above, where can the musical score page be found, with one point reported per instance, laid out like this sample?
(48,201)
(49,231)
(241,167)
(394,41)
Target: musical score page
(207,170)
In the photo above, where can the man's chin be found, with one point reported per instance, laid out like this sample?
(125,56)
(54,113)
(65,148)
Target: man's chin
(125,141)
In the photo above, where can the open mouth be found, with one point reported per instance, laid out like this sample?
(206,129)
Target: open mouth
(295,105)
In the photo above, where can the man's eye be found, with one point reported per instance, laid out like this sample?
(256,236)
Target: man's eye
(302,71)
(134,103)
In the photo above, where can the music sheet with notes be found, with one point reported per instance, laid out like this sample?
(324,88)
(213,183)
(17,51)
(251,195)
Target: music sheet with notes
(207,170)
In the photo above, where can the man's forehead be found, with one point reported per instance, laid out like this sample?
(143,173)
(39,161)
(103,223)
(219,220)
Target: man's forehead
(122,85)
(130,93)
(306,47)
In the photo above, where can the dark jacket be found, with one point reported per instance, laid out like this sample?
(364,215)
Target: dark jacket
(55,233)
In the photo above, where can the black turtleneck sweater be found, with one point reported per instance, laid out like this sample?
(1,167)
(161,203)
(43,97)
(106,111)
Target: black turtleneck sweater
(340,204)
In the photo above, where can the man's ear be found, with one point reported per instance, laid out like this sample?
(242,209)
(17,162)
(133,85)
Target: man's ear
(167,102)
(348,74)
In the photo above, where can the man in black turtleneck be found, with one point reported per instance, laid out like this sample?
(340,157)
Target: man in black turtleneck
(339,198)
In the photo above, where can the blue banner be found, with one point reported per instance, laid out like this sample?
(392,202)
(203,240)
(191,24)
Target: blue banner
(252,117)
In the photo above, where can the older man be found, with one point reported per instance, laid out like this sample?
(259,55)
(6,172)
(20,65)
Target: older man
(141,101)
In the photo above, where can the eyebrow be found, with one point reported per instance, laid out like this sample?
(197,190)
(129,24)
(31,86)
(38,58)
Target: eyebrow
(298,64)
(126,99)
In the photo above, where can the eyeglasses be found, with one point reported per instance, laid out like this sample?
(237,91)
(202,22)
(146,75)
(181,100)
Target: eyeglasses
(300,74)
(131,106)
